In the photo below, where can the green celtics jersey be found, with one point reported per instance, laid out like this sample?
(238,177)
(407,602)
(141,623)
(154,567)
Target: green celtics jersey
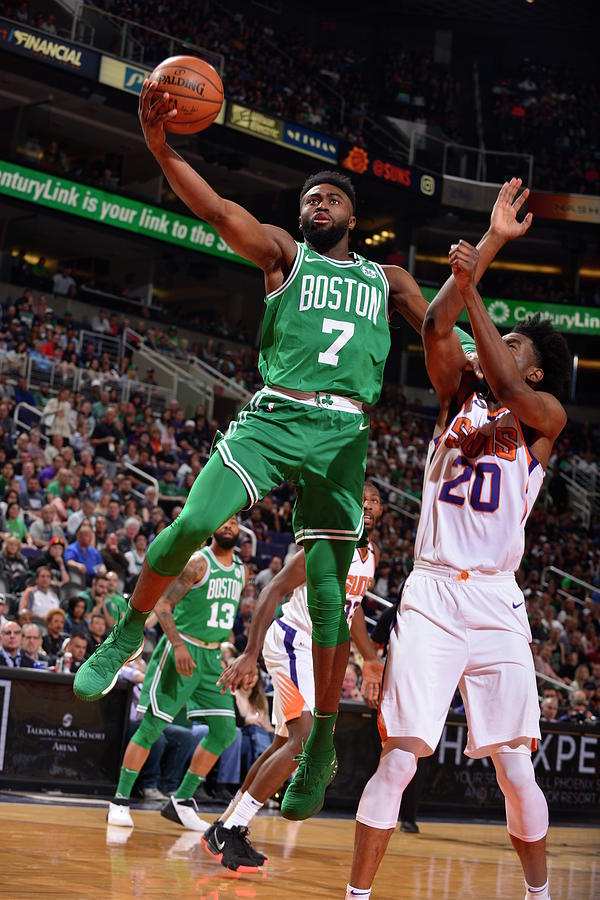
(326,327)
(208,609)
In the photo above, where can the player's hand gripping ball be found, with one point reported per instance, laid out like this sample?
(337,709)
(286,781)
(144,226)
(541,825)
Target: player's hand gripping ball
(195,90)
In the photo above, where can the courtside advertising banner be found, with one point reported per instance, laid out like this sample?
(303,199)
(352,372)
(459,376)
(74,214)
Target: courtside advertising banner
(311,142)
(113,210)
(364,161)
(566,207)
(48,48)
(508,313)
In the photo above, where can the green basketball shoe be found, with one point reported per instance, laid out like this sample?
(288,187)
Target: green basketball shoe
(99,673)
(304,797)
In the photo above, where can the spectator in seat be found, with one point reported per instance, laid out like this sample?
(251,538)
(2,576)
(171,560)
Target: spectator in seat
(350,689)
(95,599)
(13,566)
(115,602)
(114,559)
(136,556)
(14,524)
(3,618)
(578,710)
(76,518)
(243,620)
(246,554)
(98,631)
(106,440)
(77,646)
(39,598)
(76,621)
(11,653)
(57,414)
(257,730)
(263,578)
(53,558)
(549,709)
(42,530)
(82,555)
(132,528)
(31,643)
(55,635)
(63,281)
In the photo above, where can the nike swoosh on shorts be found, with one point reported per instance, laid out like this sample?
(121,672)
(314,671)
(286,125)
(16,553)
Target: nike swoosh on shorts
(517,605)
(362,427)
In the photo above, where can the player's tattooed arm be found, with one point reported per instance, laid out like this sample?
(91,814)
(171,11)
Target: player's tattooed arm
(271,248)
(176,591)
(243,669)
(372,670)
(541,411)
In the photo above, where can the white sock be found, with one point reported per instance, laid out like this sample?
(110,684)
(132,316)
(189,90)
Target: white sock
(244,811)
(537,893)
(231,806)
(351,892)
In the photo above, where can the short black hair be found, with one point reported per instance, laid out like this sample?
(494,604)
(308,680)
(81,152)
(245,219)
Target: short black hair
(369,484)
(552,352)
(328,176)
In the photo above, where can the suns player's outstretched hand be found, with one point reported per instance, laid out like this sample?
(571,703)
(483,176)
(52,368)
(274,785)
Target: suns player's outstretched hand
(241,673)
(463,259)
(504,220)
(153,112)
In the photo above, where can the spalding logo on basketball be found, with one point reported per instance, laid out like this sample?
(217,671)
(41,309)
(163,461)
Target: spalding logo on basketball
(195,90)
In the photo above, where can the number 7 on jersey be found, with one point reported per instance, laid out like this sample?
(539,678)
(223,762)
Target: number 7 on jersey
(330,356)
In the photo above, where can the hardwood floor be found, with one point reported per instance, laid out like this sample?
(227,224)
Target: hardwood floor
(67,852)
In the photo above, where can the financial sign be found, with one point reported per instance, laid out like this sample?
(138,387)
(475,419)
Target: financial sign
(113,210)
(48,49)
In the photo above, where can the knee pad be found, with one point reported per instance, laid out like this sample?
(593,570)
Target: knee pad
(380,802)
(149,731)
(526,807)
(221,733)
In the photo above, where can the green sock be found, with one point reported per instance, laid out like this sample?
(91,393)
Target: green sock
(134,617)
(127,780)
(188,787)
(320,739)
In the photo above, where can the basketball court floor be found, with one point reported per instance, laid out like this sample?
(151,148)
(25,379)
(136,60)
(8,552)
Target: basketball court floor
(66,850)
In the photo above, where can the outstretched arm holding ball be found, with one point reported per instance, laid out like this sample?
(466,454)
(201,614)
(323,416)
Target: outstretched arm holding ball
(271,248)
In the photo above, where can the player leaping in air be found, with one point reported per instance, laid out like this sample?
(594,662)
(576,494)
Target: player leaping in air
(462,615)
(324,344)
(287,653)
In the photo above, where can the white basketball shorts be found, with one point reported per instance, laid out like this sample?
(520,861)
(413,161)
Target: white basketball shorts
(287,653)
(458,628)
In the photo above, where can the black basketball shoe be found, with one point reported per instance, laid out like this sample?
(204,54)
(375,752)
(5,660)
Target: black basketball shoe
(259,857)
(231,847)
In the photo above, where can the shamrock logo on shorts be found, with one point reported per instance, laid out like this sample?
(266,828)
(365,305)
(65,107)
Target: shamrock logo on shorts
(325,400)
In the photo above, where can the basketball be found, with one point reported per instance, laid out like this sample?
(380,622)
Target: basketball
(195,89)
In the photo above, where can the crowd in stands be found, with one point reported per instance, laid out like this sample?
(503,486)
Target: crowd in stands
(548,110)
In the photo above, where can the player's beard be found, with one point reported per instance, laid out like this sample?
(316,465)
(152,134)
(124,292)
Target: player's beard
(323,237)
(226,543)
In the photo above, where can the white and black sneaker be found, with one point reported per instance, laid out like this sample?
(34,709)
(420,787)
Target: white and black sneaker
(185,813)
(119,814)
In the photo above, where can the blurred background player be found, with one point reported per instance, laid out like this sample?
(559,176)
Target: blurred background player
(287,653)
(196,613)
(318,372)
(484,469)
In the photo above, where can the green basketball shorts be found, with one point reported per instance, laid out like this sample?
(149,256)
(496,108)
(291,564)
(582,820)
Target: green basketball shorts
(166,692)
(319,445)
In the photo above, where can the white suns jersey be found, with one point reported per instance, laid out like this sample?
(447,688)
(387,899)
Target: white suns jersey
(358,581)
(480,484)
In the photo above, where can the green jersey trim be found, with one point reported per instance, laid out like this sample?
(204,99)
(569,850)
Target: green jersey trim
(291,276)
(386,286)
(157,676)
(201,713)
(331,534)
(343,263)
(240,471)
(230,568)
